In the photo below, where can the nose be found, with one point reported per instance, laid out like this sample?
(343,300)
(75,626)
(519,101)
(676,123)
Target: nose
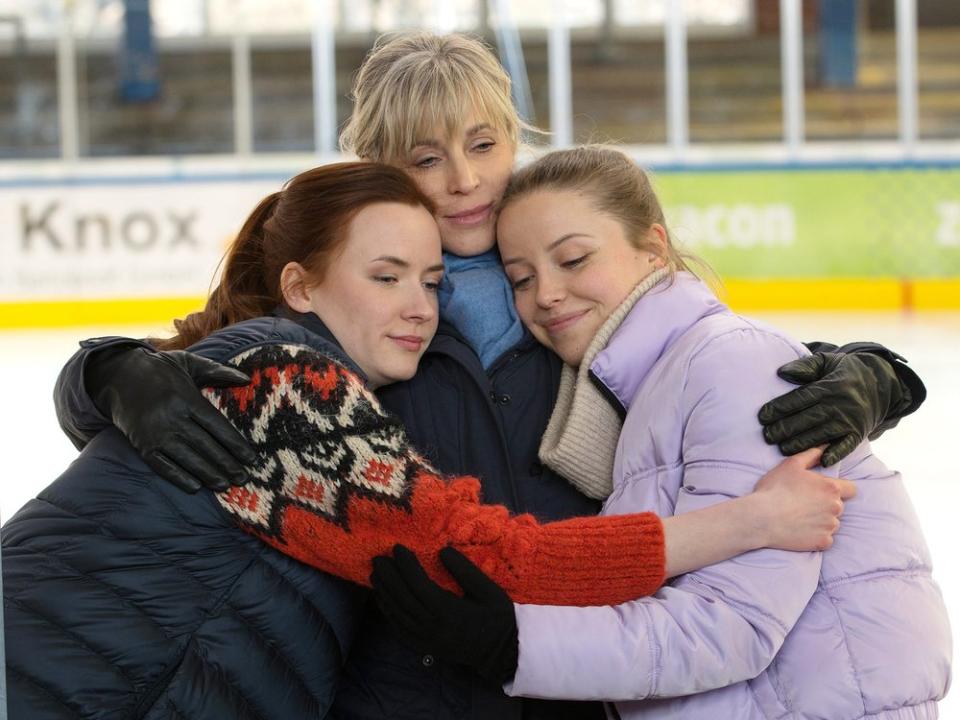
(549,292)
(462,176)
(421,306)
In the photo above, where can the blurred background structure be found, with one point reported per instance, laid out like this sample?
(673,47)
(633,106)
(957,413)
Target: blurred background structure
(808,149)
(811,143)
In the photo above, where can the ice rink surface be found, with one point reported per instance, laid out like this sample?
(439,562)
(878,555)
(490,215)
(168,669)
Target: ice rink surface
(35,451)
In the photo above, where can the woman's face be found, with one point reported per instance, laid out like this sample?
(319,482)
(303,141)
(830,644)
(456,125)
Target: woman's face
(379,294)
(465,176)
(570,266)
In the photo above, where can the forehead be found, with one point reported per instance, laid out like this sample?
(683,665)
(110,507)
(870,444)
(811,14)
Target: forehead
(545,207)
(538,219)
(395,229)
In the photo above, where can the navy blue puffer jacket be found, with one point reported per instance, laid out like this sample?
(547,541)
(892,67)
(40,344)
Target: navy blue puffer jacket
(126,598)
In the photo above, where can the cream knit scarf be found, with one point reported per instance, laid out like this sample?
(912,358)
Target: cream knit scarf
(581,438)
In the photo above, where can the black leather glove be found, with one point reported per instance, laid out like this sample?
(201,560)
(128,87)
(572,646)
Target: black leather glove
(478,630)
(845,398)
(153,399)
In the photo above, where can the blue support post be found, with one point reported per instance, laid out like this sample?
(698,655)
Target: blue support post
(838,43)
(139,71)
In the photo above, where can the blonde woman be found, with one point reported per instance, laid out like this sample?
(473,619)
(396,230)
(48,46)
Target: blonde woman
(439,107)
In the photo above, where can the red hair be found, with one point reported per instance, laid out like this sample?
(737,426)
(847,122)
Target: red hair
(306,222)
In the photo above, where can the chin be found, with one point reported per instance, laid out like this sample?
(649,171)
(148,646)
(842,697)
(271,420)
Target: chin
(399,375)
(470,243)
(570,356)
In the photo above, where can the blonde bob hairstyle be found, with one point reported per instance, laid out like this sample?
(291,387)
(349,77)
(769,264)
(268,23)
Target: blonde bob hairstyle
(615,186)
(412,83)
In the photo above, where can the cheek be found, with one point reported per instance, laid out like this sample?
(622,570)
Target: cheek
(606,285)
(365,313)
(426,182)
(501,176)
(431,185)
(598,288)
(499,181)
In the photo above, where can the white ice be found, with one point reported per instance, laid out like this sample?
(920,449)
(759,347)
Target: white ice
(35,452)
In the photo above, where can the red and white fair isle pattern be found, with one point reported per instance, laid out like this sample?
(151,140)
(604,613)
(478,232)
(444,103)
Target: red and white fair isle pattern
(320,434)
(337,485)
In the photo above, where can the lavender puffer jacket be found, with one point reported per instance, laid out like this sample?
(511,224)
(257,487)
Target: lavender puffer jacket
(859,631)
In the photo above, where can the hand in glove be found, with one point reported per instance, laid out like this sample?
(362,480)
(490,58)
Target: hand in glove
(153,399)
(845,398)
(478,630)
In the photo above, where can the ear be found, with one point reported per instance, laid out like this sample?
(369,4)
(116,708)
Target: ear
(295,288)
(657,240)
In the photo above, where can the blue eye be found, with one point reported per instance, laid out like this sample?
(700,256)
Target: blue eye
(427,162)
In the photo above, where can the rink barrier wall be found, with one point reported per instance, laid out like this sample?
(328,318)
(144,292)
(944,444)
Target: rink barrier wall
(98,244)
(743,295)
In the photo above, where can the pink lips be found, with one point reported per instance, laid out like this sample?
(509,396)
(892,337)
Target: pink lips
(408,342)
(559,324)
(473,216)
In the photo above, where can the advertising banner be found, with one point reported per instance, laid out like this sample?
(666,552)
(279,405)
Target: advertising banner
(129,239)
(843,223)
(880,237)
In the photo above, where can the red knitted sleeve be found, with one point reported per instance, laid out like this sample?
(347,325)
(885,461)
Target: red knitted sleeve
(338,484)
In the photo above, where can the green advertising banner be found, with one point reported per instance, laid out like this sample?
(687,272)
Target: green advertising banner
(825,223)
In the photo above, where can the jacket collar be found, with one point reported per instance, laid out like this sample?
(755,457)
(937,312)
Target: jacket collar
(312,323)
(648,331)
(580,441)
(451,342)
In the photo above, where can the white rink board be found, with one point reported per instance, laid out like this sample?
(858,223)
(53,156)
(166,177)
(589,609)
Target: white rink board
(35,451)
(120,238)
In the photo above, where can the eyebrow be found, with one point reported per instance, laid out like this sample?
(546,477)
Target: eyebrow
(394,260)
(552,246)
(479,127)
(434,143)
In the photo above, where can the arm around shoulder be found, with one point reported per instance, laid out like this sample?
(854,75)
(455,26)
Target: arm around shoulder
(337,484)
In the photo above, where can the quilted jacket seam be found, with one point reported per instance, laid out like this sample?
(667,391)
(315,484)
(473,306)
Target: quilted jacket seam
(846,645)
(655,654)
(175,710)
(42,687)
(223,601)
(647,471)
(79,640)
(112,589)
(746,608)
(275,651)
(164,681)
(923,571)
(315,612)
(109,531)
(244,701)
